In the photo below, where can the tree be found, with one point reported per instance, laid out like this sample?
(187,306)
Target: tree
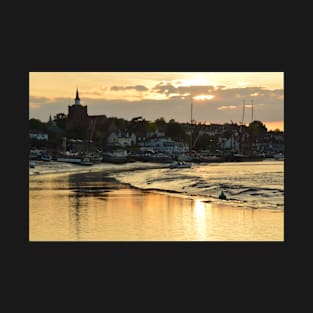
(161,124)
(61,120)
(60,116)
(120,123)
(257,131)
(152,126)
(36,125)
(160,120)
(175,131)
(203,142)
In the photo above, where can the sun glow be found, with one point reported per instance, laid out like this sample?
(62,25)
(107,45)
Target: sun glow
(203,97)
(197,81)
(155,94)
(272,125)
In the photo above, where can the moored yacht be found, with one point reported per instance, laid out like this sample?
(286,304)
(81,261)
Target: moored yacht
(279,157)
(180,164)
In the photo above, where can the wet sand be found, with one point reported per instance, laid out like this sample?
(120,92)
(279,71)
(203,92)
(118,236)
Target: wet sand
(52,167)
(88,207)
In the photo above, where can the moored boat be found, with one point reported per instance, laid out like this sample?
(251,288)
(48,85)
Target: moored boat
(180,164)
(72,159)
(46,157)
(238,157)
(75,158)
(279,157)
(86,161)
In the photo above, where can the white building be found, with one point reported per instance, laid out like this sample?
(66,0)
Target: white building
(167,145)
(38,136)
(157,133)
(122,139)
(231,143)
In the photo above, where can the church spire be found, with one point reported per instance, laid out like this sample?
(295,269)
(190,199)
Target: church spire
(77,99)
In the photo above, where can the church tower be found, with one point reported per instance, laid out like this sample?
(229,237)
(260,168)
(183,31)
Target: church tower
(77,99)
(77,115)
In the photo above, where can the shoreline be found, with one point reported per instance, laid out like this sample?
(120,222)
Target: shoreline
(52,167)
(62,168)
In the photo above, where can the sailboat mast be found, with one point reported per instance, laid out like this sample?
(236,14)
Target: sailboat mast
(243,112)
(191,126)
(252,110)
(191,112)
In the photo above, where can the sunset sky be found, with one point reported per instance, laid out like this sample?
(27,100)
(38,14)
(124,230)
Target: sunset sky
(217,96)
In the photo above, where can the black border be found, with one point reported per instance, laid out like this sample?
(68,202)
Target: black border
(206,59)
(192,37)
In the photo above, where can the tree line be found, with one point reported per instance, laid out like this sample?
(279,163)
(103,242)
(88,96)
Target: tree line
(256,131)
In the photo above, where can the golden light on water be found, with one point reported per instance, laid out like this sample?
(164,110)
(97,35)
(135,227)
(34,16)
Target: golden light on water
(69,207)
(199,209)
(200,219)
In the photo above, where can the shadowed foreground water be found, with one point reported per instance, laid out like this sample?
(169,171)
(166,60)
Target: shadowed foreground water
(89,207)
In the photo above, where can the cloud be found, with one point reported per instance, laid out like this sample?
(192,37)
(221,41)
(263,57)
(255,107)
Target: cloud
(175,96)
(227,107)
(34,105)
(220,92)
(90,92)
(163,87)
(38,100)
(170,101)
(221,87)
(168,89)
(137,88)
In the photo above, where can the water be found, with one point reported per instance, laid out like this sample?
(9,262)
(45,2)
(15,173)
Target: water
(258,185)
(94,207)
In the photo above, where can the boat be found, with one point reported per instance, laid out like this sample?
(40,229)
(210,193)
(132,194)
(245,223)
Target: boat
(46,157)
(239,157)
(96,158)
(222,196)
(34,154)
(180,164)
(141,156)
(86,161)
(32,164)
(160,158)
(75,160)
(115,156)
(279,157)
(184,157)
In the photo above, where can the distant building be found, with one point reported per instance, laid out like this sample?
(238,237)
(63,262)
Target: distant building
(38,136)
(123,139)
(231,143)
(156,133)
(78,117)
(167,145)
(54,128)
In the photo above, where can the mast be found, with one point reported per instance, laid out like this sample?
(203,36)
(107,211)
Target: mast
(93,125)
(191,112)
(191,126)
(252,110)
(243,112)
